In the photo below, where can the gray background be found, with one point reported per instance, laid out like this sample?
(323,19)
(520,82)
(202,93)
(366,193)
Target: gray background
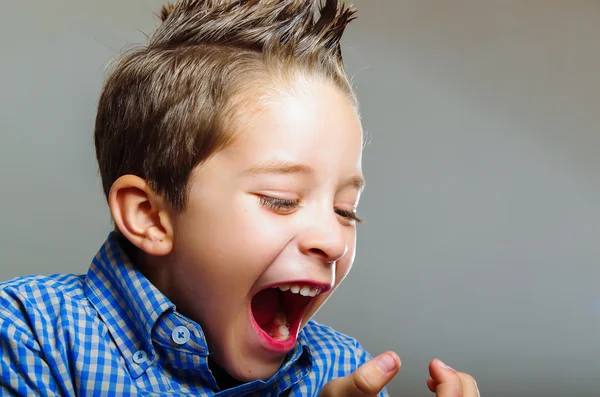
(483,196)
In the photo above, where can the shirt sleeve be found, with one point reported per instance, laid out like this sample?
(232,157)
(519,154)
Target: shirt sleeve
(363,356)
(23,369)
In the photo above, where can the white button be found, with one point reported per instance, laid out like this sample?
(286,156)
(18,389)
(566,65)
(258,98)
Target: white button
(140,357)
(181,335)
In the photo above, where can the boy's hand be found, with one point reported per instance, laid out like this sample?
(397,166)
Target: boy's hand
(367,381)
(372,377)
(447,382)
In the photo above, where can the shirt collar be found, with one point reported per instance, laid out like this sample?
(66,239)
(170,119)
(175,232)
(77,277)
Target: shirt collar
(126,301)
(136,312)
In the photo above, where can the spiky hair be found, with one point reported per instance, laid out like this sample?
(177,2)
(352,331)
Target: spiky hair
(290,26)
(168,106)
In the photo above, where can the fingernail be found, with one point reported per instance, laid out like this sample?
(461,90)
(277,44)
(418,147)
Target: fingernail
(386,362)
(441,363)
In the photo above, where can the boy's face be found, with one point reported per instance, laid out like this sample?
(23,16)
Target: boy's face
(273,209)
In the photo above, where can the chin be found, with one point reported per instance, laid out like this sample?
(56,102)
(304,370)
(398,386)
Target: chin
(250,371)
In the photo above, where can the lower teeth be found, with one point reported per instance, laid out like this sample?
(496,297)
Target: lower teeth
(279,329)
(284,332)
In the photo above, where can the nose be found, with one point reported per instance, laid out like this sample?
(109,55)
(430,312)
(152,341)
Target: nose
(324,238)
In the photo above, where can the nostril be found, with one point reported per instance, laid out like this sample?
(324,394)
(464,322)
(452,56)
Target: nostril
(323,247)
(318,251)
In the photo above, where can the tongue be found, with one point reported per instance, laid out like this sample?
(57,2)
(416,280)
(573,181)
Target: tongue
(265,306)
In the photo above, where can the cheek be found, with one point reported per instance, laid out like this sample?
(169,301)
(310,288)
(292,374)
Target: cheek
(238,222)
(341,271)
(345,264)
(342,268)
(236,237)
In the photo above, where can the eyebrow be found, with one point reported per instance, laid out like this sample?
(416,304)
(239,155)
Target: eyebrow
(288,167)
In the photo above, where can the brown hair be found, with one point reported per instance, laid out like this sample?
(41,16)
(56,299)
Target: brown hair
(168,106)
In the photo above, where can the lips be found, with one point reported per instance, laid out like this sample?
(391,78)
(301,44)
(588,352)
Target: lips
(277,312)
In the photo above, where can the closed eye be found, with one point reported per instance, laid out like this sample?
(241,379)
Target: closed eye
(279,204)
(288,205)
(349,216)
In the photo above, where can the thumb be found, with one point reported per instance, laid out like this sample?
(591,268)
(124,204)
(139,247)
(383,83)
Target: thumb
(368,380)
(444,380)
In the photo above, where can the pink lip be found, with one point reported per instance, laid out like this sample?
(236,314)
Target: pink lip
(277,346)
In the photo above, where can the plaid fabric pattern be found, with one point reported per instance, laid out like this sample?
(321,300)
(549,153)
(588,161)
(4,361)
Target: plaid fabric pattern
(111,332)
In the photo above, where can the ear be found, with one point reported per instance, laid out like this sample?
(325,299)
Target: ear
(141,215)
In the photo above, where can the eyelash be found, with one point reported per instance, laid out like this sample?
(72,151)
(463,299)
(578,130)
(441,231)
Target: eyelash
(286,204)
(278,204)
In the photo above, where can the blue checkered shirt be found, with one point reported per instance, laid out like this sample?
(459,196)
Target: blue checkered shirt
(111,332)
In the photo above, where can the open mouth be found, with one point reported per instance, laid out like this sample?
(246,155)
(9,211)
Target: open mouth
(278,310)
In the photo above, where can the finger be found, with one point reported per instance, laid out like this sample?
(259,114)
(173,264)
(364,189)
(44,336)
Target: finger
(469,385)
(431,384)
(368,380)
(449,383)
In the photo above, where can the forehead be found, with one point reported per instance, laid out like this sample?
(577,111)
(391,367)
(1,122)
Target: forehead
(311,122)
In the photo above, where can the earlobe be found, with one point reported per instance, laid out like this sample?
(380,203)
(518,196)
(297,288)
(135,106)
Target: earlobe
(141,215)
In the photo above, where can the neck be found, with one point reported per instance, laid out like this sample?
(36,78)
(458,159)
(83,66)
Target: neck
(224,380)
(155,269)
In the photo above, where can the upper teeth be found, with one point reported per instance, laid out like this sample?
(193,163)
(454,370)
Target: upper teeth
(303,290)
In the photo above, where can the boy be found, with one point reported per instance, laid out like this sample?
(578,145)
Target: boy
(230,153)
